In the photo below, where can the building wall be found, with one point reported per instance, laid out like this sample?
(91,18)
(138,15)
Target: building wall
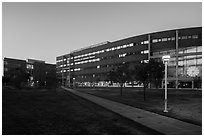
(10,64)
(93,63)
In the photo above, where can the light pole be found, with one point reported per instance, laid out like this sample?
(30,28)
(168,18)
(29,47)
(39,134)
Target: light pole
(165,59)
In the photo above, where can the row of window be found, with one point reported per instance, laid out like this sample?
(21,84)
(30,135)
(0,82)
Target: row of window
(105,50)
(173,38)
(88,61)
(106,58)
(180,51)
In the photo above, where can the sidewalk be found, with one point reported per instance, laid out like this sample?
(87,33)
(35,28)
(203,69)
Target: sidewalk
(162,124)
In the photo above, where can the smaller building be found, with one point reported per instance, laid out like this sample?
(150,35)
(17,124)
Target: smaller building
(40,72)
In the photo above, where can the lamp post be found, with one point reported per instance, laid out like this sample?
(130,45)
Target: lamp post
(165,59)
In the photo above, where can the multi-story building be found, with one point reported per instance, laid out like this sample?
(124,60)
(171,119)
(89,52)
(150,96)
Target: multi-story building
(91,64)
(37,69)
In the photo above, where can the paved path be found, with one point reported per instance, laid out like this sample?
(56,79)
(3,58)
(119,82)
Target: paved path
(162,124)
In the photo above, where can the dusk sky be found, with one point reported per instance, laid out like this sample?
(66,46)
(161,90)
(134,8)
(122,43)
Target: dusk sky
(44,31)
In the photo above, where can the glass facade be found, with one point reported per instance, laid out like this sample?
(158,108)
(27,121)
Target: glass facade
(188,58)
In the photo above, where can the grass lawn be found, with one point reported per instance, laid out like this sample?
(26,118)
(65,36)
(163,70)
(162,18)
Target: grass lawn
(56,112)
(183,104)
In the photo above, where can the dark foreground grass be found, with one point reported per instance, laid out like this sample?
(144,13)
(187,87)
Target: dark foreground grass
(55,112)
(183,104)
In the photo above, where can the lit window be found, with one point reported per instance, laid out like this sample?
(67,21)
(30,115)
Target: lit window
(122,55)
(144,61)
(199,61)
(164,39)
(124,46)
(195,37)
(77,69)
(142,42)
(154,40)
(169,39)
(199,49)
(184,37)
(97,66)
(131,44)
(189,37)
(145,52)
(146,42)
(172,38)
(29,66)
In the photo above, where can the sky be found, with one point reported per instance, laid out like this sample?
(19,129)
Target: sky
(46,30)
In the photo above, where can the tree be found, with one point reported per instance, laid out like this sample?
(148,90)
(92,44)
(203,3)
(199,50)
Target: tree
(120,74)
(142,75)
(18,76)
(156,71)
(149,72)
(51,80)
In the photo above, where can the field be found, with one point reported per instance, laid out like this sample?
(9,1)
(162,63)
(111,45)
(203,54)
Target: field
(183,104)
(56,112)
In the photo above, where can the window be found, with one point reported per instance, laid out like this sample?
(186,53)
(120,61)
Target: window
(154,40)
(190,50)
(124,46)
(199,61)
(122,55)
(172,38)
(164,39)
(29,66)
(131,44)
(146,42)
(199,49)
(195,37)
(184,37)
(97,66)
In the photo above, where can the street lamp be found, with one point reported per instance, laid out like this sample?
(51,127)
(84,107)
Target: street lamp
(165,59)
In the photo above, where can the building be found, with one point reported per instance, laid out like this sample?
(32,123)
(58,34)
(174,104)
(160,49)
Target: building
(91,64)
(37,69)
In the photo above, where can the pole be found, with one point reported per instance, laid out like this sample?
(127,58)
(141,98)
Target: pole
(165,100)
